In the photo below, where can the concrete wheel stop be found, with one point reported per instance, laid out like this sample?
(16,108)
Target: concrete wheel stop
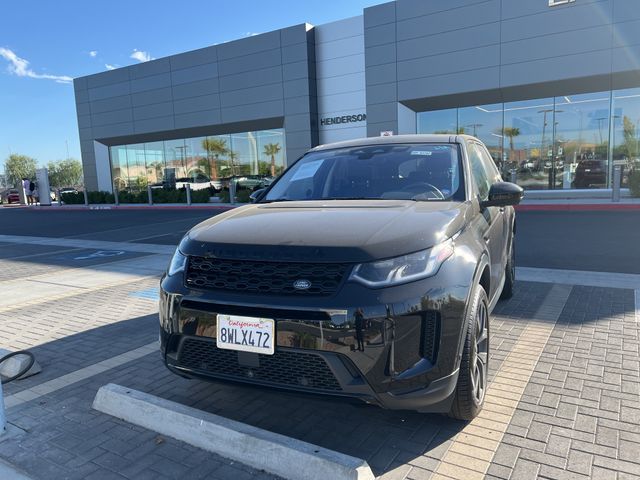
(274,453)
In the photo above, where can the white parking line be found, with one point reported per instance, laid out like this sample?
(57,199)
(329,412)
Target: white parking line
(50,386)
(89,244)
(472,450)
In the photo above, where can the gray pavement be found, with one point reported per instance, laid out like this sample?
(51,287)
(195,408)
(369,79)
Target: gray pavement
(564,400)
(605,241)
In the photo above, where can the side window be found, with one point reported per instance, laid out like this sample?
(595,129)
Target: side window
(481,178)
(490,164)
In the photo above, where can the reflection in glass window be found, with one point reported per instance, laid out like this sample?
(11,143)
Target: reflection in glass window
(196,158)
(137,167)
(551,143)
(271,155)
(252,158)
(176,158)
(438,121)
(527,133)
(625,137)
(580,148)
(484,122)
(120,172)
(154,158)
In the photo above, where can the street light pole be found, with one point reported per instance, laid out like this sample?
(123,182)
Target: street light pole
(542,140)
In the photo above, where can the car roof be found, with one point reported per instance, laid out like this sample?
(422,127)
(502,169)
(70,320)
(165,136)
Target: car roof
(361,142)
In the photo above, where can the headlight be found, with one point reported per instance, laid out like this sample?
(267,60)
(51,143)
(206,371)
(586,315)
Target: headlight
(403,269)
(177,264)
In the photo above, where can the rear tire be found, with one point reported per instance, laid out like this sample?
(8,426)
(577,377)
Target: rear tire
(510,273)
(474,366)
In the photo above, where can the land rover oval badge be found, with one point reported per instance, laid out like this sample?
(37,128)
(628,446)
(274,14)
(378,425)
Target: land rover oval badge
(301,284)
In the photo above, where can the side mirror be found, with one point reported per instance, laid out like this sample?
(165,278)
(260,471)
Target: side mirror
(503,194)
(257,195)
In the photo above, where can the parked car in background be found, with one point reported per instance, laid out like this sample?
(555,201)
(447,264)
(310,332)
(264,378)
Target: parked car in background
(196,182)
(368,269)
(590,173)
(10,196)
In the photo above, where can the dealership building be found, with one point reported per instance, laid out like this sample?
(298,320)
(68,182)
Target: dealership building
(552,87)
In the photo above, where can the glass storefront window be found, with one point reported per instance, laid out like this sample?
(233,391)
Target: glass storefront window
(271,153)
(250,160)
(552,143)
(526,137)
(484,122)
(154,158)
(137,167)
(119,170)
(625,136)
(580,149)
(438,121)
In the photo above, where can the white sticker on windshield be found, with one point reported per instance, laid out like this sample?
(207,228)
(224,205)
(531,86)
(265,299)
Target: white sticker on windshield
(307,170)
(421,152)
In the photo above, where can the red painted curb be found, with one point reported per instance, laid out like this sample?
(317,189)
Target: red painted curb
(578,207)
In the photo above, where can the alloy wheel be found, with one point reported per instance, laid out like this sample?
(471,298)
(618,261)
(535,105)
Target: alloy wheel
(480,354)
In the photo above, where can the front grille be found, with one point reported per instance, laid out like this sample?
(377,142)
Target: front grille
(283,368)
(271,278)
(430,335)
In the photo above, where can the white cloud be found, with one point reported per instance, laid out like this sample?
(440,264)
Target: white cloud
(93,53)
(108,66)
(251,34)
(20,67)
(140,55)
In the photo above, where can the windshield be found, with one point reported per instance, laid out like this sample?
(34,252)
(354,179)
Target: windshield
(419,172)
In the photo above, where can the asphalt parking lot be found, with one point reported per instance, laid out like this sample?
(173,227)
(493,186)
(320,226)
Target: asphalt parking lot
(565,365)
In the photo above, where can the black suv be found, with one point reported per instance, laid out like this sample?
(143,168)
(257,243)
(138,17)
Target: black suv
(368,270)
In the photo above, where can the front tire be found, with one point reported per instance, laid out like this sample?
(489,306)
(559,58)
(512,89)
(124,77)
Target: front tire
(474,366)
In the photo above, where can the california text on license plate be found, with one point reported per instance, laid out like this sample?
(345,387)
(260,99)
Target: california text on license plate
(248,334)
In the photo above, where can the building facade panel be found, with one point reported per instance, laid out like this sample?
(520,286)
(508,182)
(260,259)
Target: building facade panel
(466,16)
(472,37)
(578,16)
(547,88)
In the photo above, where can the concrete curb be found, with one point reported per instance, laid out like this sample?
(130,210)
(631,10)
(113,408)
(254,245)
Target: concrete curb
(274,453)
(8,471)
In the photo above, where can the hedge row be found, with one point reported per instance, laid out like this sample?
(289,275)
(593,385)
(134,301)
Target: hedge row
(159,196)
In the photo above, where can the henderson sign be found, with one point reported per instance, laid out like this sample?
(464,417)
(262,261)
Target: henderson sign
(360,117)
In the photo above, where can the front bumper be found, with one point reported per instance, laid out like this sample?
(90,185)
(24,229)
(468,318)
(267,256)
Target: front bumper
(404,356)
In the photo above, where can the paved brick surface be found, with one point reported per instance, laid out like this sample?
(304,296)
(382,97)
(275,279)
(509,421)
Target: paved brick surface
(577,416)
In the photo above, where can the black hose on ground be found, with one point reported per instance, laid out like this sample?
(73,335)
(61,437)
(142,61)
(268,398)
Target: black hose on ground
(30,363)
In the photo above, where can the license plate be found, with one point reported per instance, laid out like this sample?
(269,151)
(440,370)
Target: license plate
(246,334)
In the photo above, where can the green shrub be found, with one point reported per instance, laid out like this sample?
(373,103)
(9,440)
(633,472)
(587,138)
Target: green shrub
(242,196)
(634,183)
(72,198)
(159,195)
(77,198)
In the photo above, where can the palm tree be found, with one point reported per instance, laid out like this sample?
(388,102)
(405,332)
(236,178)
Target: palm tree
(232,161)
(215,147)
(271,150)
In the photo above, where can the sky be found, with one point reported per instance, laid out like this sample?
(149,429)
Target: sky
(45,44)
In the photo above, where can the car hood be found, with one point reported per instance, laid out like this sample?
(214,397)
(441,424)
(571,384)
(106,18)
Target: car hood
(326,231)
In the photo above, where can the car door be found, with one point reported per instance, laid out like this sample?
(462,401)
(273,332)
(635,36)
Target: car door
(491,223)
